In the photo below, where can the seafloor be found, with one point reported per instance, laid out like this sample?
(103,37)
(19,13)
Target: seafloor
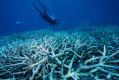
(63,55)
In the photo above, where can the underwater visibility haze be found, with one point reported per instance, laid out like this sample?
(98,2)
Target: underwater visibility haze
(59,39)
(20,15)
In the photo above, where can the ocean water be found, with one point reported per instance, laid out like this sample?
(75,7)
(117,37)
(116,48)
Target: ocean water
(20,15)
(84,45)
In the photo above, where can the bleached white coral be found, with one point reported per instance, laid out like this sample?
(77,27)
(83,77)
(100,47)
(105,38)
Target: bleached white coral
(51,55)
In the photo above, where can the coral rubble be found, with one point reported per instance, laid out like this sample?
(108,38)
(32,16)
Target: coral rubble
(48,55)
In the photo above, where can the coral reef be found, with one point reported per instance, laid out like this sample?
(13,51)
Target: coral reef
(48,55)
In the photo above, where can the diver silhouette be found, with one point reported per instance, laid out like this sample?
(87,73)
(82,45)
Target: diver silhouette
(45,15)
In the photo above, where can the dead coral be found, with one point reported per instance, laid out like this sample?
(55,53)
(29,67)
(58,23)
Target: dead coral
(59,56)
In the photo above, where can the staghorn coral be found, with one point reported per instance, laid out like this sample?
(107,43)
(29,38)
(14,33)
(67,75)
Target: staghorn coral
(47,55)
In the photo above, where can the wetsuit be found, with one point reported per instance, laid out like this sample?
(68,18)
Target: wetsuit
(45,16)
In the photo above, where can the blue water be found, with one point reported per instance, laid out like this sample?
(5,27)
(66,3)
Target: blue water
(20,15)
(70,50)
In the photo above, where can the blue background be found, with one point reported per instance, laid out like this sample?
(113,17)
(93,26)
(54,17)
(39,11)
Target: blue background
(20,15)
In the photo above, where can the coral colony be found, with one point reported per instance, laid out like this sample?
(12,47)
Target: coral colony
(48,55)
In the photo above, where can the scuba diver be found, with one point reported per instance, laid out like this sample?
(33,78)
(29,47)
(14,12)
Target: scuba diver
(45,15)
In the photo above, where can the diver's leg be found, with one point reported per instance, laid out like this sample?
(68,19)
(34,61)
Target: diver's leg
(38,9)
(43,6)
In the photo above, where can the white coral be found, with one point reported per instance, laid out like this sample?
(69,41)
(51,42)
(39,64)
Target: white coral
(58,56)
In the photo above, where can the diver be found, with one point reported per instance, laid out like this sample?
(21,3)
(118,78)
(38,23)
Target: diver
(44,14)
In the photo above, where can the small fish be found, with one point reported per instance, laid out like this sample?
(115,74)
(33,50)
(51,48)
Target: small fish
(18,22)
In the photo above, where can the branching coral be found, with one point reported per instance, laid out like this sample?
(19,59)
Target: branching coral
(59,56)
